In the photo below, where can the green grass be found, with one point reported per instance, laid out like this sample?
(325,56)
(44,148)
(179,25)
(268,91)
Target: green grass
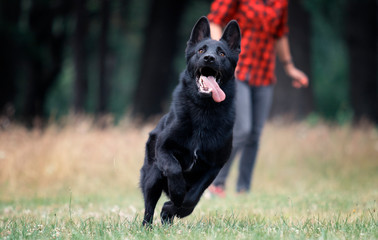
(311,182)
(255,216)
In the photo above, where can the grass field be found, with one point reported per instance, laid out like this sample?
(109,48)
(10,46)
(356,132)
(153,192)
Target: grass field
(77,181)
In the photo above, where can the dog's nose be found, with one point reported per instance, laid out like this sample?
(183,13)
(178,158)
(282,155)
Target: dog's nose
(209,58)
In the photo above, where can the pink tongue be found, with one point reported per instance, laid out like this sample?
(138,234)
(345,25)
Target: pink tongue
(217,93)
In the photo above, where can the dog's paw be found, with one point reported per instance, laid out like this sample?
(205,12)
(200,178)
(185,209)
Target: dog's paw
(166,218)
(168,213)
(147,224)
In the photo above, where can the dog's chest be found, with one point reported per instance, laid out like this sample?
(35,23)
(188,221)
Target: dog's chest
(206,139)
(209,136)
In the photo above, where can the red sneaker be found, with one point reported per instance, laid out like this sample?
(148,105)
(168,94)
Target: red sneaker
(217,191)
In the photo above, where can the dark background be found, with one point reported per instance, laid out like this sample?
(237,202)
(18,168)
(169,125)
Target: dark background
(123,57)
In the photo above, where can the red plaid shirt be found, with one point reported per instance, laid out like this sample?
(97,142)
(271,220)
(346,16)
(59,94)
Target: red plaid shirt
(261,23)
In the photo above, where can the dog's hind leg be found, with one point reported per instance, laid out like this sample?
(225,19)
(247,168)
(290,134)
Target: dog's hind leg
(152,187)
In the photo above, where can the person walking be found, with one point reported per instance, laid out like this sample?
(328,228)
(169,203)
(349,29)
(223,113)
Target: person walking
(264,29)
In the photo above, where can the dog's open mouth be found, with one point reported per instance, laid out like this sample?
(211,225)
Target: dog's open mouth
(208,81)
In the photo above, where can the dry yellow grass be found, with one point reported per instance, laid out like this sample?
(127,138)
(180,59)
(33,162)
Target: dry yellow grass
(77,156)
(82,158)
(302,157)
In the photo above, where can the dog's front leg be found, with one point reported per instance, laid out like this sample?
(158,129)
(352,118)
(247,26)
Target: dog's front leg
(176,188)
(171,168)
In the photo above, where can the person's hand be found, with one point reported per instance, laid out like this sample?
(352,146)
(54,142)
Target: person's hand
(236,70)
(300,79)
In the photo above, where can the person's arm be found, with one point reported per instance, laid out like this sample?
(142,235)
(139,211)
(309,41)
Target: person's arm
(221,12)
(300,79)
(216,31)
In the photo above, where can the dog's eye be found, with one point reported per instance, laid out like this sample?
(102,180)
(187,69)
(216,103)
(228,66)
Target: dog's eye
(222,54)
(201,50)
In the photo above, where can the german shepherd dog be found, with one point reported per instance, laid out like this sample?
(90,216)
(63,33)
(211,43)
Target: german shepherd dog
(192,142)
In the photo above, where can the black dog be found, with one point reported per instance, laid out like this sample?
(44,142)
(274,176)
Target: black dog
(192,142)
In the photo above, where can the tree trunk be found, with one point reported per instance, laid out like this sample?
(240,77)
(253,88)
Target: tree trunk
(80,61)
(156,66)
(362,44)
(103,86)
(9,17)
(289,101)
(45,66)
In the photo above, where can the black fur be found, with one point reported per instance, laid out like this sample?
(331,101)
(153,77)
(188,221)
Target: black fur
(192,142)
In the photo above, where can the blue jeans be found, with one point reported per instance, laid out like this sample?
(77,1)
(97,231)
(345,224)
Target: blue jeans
(252,109)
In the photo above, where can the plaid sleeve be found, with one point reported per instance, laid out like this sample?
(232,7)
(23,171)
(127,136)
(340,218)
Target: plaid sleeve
(222,11)
(283,28)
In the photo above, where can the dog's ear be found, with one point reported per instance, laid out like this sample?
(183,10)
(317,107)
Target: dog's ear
(232,36)
(201,30)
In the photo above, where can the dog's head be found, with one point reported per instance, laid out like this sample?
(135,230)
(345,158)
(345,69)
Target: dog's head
(212,63)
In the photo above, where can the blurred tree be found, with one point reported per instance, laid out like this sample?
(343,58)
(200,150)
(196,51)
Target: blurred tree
(80,55)
(329,59)
(156,66)
(287,100)
(362,42)
(34,35)
(10,12)
(43,52)
(103,86)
